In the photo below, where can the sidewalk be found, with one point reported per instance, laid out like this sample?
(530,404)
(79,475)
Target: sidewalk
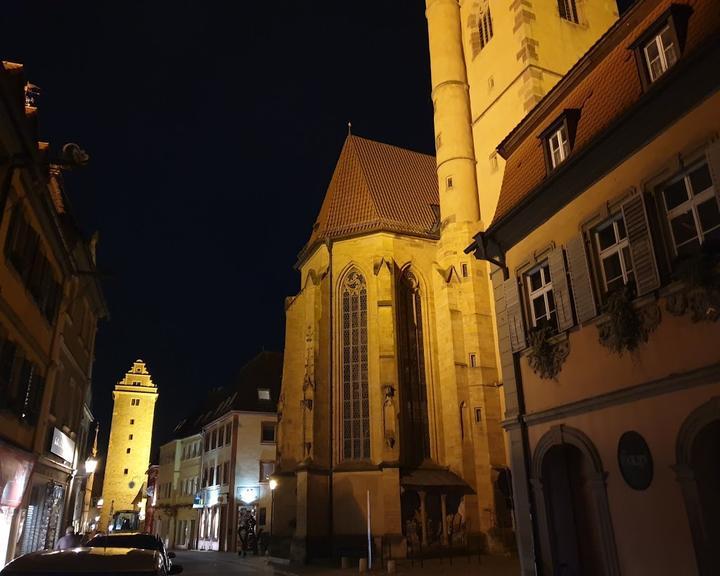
(488,566)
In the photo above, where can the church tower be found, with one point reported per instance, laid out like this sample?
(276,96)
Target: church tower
(128,455)
(491,62)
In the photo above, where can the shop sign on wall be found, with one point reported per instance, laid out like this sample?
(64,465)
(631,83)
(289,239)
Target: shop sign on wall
(62,445)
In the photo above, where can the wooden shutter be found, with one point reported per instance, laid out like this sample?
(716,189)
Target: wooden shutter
(513,309)
(580,279)
(561,290)
(645,268)
(713,159)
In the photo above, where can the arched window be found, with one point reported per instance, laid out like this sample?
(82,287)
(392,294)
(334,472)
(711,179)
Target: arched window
(414,427)
(355,401)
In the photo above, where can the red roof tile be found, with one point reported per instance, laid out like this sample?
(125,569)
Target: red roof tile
(378,187)
(602,85)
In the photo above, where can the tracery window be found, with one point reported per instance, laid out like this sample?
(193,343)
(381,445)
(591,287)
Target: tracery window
(356,404)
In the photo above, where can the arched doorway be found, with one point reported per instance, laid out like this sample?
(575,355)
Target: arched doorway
(698,471)
(574,525)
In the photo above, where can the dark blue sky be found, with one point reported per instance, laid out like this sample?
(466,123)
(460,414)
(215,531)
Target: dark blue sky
(213,129)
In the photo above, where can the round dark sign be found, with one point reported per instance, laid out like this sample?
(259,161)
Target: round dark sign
(635,460)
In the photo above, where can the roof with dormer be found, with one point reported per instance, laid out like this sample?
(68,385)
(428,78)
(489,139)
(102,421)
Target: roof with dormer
(378,187)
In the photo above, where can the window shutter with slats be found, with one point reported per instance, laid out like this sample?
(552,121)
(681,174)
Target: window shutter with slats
(513,309)
(561,290)
(713,159)
(580,279)
(645,268)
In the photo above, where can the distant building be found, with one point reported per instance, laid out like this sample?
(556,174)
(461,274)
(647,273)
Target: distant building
(220,463)
(50,304)
(128,454)
(606,253)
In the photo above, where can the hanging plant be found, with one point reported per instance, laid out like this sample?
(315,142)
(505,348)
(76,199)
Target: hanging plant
(546,355)
(625,326)
(700,292)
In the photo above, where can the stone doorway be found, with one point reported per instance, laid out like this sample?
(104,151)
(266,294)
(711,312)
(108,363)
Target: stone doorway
(698,471)
(574,526)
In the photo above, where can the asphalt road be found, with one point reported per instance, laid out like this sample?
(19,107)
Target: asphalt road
(197,563)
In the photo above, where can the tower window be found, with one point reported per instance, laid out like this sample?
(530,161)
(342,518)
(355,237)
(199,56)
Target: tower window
(127,451)
(473,360)
(132,421)
(464,269)
(438,141)
(263,393)
(568,10)
(449,183)
(485,27)
(135,402)
(478,415)
(125,472)
(130,437)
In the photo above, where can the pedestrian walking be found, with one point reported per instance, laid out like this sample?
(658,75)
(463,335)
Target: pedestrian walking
(70,540)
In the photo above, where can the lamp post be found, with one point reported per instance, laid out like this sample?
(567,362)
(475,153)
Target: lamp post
(90,468)
(273,485)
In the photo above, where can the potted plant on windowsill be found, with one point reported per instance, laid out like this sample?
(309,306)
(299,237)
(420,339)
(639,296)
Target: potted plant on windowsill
(699,275)
(546,353)
(625,326)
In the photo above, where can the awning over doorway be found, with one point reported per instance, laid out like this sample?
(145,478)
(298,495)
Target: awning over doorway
(434,479)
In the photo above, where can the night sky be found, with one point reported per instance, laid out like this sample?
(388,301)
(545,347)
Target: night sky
(213,129)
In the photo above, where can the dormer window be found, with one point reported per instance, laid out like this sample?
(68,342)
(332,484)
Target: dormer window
(660,47)
(263,393)
(558,145)
(660,53)
(559,138)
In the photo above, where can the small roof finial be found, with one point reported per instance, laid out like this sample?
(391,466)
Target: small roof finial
(349,128)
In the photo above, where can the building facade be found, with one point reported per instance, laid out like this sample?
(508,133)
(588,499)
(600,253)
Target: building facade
(47,273)
(128,453)
(606,252)
(217,469)
(412,414)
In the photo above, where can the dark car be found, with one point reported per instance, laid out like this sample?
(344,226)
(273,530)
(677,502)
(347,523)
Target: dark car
(89,562)
(136,540)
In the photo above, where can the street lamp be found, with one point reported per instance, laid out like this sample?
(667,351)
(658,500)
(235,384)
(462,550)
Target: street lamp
(91,465)
(273,485)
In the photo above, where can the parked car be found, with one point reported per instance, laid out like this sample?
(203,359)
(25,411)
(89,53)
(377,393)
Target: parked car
(135,540)
(90,562)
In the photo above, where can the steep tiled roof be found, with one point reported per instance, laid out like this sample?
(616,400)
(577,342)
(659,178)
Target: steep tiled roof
(603,85)
(377,187)
(264,371)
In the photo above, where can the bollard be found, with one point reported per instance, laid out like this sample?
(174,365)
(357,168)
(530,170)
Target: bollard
(344,562)
(362,568)
(391,566)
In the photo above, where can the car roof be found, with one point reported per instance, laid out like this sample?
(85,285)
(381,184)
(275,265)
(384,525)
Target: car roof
(86,561)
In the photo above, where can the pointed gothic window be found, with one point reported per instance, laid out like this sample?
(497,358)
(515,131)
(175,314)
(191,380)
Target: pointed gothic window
(413,382)
(356,404)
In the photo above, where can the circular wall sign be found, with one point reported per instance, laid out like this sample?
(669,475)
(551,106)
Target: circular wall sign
(635,460)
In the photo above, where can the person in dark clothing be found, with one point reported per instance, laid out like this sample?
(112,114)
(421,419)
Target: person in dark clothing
(70,540)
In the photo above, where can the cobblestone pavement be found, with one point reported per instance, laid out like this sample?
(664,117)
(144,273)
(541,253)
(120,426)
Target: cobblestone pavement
(196,563)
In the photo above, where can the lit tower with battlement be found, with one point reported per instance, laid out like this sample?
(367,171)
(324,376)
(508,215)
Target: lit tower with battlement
(128,454)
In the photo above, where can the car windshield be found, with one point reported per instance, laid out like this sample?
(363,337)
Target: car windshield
(144,541)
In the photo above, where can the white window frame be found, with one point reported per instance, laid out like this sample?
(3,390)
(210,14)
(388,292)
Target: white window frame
(545,288)
(692,204)
(571,11)
(558,141)
(616,248)
(657,41)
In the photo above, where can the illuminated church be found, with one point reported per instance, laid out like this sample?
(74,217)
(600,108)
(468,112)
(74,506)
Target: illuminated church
(391,388)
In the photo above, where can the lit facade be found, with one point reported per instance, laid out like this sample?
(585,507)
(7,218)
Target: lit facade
(128,454)
(47,275)
(607,290)
(219,465)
